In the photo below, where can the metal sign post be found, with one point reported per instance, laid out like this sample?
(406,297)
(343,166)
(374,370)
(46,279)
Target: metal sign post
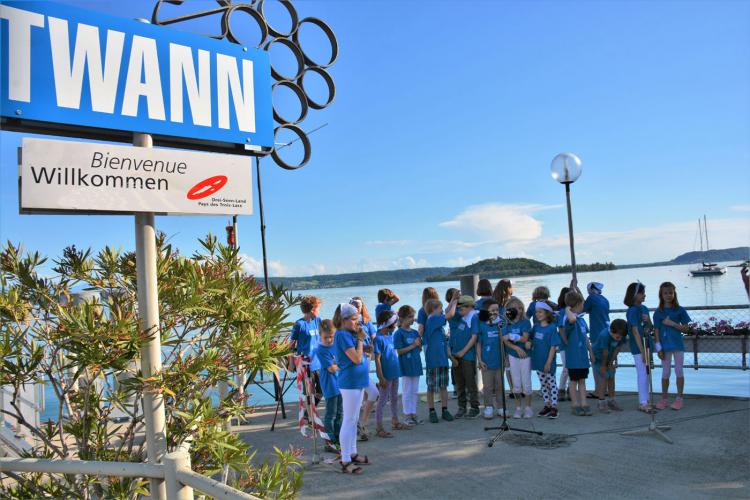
(148,312)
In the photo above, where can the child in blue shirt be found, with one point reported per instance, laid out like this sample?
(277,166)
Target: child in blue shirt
(578,353)
(408,343)
(389,371)
(305,338)
(463,336)
(488,356)
(562,387)
(387,298)
(429,293)
(484,292)
(606,348)
(436,354)
(639,329)
(325,354)
(517,339)
(671,321)
(540,294)
(545,340)
(371,391)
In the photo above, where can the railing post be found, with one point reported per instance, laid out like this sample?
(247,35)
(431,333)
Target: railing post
(695,352)
(744,352)
(177,460)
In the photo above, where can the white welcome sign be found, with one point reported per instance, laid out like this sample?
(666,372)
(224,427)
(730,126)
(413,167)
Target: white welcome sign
(91,177)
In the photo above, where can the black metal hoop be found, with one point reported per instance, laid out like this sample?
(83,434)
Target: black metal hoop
(329,81)
(305,144)
(294,48)
(331,38)
(246,8)
(292,15)
(302,101)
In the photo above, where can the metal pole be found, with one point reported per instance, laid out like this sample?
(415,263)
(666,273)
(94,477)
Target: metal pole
(148,312)
(570,233)
(262,223)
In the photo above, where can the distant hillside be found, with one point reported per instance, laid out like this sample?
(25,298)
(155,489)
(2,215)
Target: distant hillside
(514,267)
(724,255)
(361,279)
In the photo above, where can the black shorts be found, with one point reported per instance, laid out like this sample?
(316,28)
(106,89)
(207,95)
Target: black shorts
(578,373)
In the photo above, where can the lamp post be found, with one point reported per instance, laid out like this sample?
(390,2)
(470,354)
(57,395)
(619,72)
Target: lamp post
(566,169)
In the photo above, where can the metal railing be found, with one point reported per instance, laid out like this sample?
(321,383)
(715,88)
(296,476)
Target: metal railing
(180,480)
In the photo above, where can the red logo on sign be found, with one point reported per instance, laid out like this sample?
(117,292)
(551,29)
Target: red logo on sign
(207,187)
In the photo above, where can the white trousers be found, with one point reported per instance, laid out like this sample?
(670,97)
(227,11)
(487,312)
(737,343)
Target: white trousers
(409,391)
(520,372)
(640,370)
(352,401)
(563,374)
(372,391)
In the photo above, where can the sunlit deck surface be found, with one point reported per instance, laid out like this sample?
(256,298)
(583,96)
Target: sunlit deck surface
(710,457)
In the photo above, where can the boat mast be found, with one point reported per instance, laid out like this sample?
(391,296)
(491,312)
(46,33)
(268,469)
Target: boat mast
(705,228)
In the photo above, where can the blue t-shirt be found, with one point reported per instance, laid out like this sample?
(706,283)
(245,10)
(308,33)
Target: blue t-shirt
(421,317)
(489,336)
(634,317)
(577,352)
(519,328)
(383,345)
(479,302)
(561,324)
(329,382)
(435,346)
(369,328)
(670,337)
(598,308)
(380,308)
(543,339)
(351,376)
(605,342)
(409,362)
(307,337)
(530,313)
(461,334)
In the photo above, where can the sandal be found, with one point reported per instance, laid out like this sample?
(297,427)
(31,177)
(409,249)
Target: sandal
(646,409)
(346,468)
(360,460)
(382,433)
(400,426)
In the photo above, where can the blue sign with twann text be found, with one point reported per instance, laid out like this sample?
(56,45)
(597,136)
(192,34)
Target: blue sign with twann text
(80,68)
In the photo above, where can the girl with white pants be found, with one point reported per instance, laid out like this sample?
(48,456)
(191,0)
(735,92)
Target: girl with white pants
(639,323)
(408,344)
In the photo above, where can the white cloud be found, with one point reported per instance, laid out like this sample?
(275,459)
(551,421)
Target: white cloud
(409,262)
(254,266)
(741,208)
(498,221)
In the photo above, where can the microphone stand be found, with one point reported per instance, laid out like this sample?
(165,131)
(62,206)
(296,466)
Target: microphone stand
(653,429)
(504,427)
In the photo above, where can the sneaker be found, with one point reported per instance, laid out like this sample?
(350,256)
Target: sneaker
(461,413)
(662,404)
(418,420)
(500,412)
(587,411)
(433,416)
(489,412)
(613,405)
(544,412)
(528,412)
(578,411)
(677,405)
(447,415)
(518,413)
(473,413)
(603,408)
(552,413)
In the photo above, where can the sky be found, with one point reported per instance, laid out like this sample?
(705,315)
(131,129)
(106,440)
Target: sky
(438,145)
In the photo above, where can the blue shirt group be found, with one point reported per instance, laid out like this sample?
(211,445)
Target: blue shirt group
(329,382)
(635,319)
(461,333)
(351,376)
(597,306)
(543,339)
(410,362)
(670,338)
(577,350)
(519,328)
(305,333)
(435,346)
(489,336)
(389,362)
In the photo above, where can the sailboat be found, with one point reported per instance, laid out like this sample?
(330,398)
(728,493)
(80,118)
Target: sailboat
(707,268)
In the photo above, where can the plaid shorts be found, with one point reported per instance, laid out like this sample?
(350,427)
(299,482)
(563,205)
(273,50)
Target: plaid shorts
(437,378)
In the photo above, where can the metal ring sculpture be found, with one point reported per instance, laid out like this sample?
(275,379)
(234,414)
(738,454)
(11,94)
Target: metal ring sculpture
(290,39)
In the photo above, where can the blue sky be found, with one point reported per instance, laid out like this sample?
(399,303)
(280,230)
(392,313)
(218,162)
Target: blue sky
(446,117)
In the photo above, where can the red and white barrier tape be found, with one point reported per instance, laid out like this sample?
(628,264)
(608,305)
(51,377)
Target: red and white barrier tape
(302,363)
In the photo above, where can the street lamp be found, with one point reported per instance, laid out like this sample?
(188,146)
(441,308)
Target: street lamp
(566,169)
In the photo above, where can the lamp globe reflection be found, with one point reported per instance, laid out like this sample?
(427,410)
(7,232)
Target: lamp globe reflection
(566,168)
